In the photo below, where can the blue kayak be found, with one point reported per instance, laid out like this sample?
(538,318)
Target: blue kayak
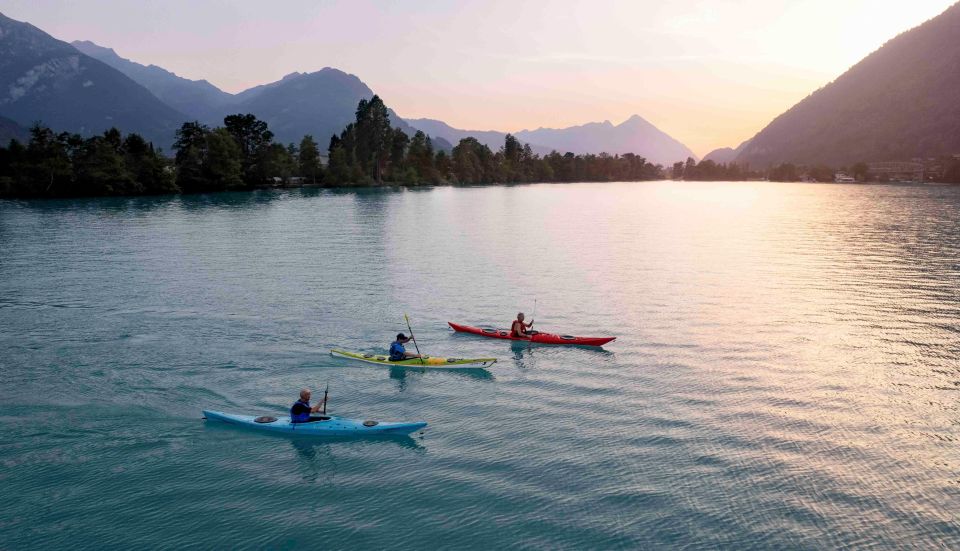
(325,425)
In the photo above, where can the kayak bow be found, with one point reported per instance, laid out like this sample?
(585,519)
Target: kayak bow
(539,338)
(429,362)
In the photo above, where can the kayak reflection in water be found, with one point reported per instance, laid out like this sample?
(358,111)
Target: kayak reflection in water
(521,330)
(301,409)
(398,352)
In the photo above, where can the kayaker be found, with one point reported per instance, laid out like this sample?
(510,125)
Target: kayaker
(301,409)
(398,352)
(520,330)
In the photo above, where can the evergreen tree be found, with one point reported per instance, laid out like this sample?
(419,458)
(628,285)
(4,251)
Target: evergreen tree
(100,167)
(191,147)
(420,157)
(374,136)
(49,170)
(338,167)
(254,138)
(147,166)
(277,162)
(222,166)
(398,153)
(308,160)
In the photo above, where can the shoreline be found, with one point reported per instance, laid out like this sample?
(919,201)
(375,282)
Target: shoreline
(357,187)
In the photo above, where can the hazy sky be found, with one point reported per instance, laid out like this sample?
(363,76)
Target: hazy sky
(710,73)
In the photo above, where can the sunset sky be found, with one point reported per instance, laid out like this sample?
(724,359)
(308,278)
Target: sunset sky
(709,73)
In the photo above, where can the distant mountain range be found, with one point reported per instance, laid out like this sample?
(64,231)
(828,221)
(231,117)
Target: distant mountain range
(198,99)
(491,138)
(320,103)
(47,80)
(900,102)
(86,88)
(635,135)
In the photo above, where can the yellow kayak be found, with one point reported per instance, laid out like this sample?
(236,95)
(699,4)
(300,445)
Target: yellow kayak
(429,362)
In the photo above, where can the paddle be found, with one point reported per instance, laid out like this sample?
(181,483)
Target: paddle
(326,391)
(414,339)
(533,318)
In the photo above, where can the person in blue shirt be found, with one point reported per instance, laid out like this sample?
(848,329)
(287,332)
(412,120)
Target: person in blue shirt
(301,409)
(398,352)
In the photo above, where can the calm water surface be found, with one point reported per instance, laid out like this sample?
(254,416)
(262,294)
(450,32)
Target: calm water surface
(786,373)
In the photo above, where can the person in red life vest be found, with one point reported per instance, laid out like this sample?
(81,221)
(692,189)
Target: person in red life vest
(520,330)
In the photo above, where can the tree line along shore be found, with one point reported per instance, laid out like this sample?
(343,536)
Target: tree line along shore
(242,155)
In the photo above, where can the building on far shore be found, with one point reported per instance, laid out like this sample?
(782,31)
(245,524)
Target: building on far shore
(915,170)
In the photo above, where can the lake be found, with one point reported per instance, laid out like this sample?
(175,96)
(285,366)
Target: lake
(786,372)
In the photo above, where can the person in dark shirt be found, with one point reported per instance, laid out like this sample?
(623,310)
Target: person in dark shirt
(301,410)
(398,352)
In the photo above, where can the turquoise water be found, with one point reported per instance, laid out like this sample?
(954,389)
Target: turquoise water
(786,372)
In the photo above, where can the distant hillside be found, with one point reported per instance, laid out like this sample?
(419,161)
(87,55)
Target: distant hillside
(198,99)
(491,138)
(721,155)
(634,135)
(320,103)
(44,79)
(900,102)
(10,130)
(725,155)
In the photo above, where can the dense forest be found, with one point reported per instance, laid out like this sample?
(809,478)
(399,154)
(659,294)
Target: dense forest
(242,154)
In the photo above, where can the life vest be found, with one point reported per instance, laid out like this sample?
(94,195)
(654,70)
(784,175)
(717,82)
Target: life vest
(397,351)
(513,328)
(300,412)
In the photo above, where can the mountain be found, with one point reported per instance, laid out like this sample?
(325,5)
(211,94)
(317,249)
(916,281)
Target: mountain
(198,99)
(722,155)
(10,130)
(491,138)
(634,135)
(322,103)
(725,155)
(44,79)
(900,102)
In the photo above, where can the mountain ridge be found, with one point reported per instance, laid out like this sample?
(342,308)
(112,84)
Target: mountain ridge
(320,103)
(49,81)
(726,155)
(897,103)
(323,102)
(634,135)
(587,138)
(197,98)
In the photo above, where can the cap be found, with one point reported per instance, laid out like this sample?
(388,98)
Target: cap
(402,337)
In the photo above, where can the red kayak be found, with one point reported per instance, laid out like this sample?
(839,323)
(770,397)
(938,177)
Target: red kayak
(539,338)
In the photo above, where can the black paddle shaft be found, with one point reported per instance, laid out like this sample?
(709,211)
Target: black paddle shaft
(414,339)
